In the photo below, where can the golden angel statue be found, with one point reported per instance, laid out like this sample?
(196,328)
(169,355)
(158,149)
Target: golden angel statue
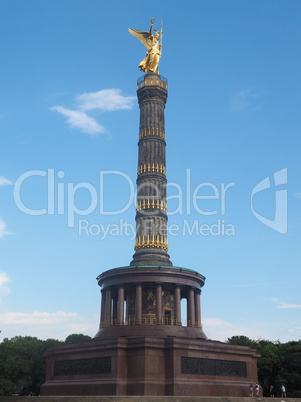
(151,42)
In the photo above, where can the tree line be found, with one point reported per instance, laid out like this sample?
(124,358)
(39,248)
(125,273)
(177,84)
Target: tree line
(23,365)
(279,364)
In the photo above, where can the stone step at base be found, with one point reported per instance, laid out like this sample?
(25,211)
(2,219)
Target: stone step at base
(143,399)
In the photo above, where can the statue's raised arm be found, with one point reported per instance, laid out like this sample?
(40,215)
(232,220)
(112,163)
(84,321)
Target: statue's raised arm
(151,42)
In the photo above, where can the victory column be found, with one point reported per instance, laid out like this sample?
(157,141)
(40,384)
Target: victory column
(143,346)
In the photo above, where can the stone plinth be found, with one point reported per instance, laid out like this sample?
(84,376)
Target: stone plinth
(150,366)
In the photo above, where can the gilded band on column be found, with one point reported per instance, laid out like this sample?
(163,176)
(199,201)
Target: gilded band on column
(147,241)
(152,132)
(151,204)
(151,168)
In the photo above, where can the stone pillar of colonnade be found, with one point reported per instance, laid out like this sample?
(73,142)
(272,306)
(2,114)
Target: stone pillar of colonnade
(177,304)
(108,308)
(120,309)
(159,303)
(190,308)
(138,304)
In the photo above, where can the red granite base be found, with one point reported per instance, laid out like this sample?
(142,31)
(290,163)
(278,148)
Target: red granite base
(150,366)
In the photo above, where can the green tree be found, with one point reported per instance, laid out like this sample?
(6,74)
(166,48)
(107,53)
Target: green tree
(280,363)
(289,373)
(74,338)
(22,364)
(268,365)
(242,340)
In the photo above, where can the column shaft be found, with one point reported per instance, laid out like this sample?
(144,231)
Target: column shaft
(115,300)
(151,213)
(190,308)
(108,308)
(138,304)
(103,307)
(178,305)
(120,310)
(159,303)
(197,299)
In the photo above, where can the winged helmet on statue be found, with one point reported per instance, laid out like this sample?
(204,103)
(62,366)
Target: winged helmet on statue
(151,42)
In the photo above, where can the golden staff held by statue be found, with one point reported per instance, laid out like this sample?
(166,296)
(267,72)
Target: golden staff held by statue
(154,48)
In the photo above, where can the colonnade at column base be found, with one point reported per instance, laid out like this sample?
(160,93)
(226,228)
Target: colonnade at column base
(150,295)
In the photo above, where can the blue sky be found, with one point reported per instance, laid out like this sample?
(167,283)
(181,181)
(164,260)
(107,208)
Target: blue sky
(69,117)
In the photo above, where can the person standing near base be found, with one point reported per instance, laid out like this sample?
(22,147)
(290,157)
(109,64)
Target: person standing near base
(272,393)
(283,390)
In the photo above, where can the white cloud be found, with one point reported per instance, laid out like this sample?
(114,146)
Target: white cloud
(44,325)
(3,279)
(283,304)
(287,305)
(5,182)
(106,100)
(245,100)
(2,228)
(80,120)
(298,195)
(36,318)
(4,289)
(252,327)
(296,329)
(245,285)
(218,329)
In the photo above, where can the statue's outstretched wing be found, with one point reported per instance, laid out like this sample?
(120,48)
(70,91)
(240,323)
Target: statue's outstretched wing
(143,36)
